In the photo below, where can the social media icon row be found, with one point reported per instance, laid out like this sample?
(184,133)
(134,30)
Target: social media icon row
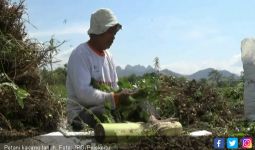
(232,143)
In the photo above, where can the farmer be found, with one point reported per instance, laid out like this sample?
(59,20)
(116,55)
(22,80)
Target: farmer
(92,61)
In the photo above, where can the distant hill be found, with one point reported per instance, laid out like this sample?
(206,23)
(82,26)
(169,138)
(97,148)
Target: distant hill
(139,70)
(205,72)
(169,72)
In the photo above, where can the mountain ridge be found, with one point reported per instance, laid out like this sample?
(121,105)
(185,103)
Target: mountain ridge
(139,70)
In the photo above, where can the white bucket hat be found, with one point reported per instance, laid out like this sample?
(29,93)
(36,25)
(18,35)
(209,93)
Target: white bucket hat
(101,20)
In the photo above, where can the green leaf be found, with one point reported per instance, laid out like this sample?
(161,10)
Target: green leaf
(20,96)
(20,93)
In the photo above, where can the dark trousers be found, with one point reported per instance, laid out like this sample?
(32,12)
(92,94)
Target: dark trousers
(90,116)
(93,114)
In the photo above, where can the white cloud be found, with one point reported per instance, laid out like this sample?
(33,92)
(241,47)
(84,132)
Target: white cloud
(232,64)
(195,34)
(65,30)
(200,32)
(200,39)
(63,57)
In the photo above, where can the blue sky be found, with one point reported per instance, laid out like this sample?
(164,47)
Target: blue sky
(186,35)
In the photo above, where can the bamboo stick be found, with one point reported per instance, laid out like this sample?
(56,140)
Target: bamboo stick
(129,132)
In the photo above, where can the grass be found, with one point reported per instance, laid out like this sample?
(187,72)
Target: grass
(59,90)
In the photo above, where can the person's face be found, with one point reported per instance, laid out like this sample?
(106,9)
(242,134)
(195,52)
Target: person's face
(108,37)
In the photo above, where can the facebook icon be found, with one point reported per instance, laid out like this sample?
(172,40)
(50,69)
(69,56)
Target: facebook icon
(219,143)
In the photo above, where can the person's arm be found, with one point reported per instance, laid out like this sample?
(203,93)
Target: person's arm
(113,69)
(116,86)
(79,74)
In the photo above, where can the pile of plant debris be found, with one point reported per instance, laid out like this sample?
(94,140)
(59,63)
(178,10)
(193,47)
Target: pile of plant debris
(26,105)
(176,143)
(193,102)
(197,105)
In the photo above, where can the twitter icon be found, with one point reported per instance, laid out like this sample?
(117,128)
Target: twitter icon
(232,143)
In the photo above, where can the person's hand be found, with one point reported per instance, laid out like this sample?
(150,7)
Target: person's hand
(138,93)
(122,97)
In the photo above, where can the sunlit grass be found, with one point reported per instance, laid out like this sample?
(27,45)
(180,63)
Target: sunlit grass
(59,90)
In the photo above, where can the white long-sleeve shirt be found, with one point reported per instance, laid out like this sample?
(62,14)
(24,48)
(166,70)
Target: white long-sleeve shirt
(83,65)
